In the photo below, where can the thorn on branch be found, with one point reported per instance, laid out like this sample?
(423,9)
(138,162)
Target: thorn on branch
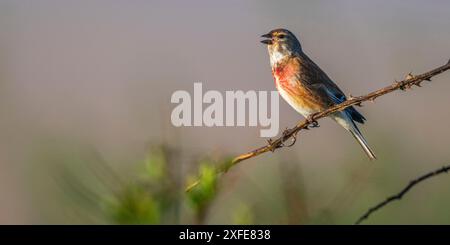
(271,145)
(350,97)
(409,76)
(402,86)
(399,84)
(285,134)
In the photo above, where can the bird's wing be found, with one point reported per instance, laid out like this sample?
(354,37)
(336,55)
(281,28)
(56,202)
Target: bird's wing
(319,83)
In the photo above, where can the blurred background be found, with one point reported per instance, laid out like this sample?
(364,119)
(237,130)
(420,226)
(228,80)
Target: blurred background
(85,91)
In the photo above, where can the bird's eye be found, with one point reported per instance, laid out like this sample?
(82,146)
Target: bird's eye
(281,36)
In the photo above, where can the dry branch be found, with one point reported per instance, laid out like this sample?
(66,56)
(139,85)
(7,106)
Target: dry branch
(399,195)
(408,82)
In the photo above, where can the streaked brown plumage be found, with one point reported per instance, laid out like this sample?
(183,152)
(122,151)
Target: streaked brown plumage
(305,86)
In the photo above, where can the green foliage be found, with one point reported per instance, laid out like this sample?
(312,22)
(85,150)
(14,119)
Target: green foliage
(156,165)
(200,196)
(155,197)
(135,205)
(145,200)
(154,194)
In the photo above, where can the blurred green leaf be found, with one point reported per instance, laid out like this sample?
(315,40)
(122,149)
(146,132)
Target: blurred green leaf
(156,164)
(202,194)
(135,206)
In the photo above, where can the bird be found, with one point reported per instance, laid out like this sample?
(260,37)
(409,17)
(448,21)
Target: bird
(306,87)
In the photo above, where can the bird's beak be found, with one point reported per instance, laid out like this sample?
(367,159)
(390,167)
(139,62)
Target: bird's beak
(267,41)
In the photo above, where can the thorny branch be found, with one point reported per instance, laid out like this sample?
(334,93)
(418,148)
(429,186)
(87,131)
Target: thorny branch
(408,82)
(399,195)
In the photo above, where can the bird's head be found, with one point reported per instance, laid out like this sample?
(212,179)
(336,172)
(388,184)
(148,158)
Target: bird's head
(281,43)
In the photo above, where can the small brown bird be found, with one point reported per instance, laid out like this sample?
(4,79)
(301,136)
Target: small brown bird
(305,86)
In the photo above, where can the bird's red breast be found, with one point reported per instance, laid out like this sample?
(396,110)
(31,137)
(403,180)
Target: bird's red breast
(287,76)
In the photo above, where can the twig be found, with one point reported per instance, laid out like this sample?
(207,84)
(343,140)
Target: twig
(399,196)
(311,121)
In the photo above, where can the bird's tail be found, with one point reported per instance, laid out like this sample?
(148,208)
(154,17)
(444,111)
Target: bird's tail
(360,138)
(344,120)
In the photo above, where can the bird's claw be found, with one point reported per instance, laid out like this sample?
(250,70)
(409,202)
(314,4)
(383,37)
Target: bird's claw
(402,86)
(312,123)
